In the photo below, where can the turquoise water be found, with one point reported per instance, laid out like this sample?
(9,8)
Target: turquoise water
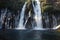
(29,35)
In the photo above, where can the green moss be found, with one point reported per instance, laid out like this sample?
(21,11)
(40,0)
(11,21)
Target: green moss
(47,8)
(47,5)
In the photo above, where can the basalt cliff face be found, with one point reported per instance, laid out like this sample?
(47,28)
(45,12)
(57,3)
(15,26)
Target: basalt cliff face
(50,11)
(15,8)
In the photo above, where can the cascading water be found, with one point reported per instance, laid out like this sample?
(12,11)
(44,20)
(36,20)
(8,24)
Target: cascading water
(38,16)
(21,21)
(55,22)
(3,14)
(46,20)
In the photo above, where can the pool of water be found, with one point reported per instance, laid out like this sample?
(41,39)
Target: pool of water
(29,35)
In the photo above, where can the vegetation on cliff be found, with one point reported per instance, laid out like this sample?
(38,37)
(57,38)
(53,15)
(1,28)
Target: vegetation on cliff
(48,5)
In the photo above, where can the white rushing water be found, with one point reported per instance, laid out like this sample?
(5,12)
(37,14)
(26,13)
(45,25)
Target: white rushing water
(20,25)
(38,16)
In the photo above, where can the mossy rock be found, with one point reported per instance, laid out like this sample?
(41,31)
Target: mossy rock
(47,8)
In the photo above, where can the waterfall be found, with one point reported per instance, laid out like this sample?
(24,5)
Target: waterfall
(21,20)
(38,16)
(46,20)
(55,22)
(56,27)
(3,15)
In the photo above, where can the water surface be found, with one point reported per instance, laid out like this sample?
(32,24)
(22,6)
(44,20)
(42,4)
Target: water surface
(29,35)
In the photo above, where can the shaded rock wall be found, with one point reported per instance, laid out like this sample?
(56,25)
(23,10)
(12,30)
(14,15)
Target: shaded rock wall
(15,7)
(50,8)
(55,4)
